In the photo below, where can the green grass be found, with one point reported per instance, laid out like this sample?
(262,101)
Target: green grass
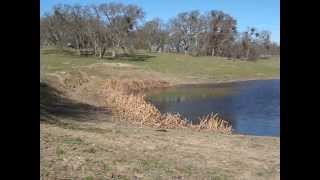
(211,67)
(174,65)
(89,178)
(73,141)
(61,62)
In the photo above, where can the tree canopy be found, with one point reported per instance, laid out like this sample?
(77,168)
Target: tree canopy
(113,26)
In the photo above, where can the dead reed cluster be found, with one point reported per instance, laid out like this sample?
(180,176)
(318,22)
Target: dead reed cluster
(213,121)
(74,79)
(134,108)
(132,86)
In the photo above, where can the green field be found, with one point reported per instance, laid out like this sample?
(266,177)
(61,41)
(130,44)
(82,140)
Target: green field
(169,65)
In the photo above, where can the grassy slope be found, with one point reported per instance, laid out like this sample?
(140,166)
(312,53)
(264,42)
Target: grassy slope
(176,66)
(214,68)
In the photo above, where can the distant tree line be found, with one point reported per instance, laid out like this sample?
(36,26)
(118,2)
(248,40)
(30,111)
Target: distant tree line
(115,26)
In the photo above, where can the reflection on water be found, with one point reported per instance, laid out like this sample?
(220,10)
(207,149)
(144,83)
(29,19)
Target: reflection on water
(253,107)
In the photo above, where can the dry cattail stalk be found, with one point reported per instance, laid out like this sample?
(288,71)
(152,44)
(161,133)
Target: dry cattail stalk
(134,108)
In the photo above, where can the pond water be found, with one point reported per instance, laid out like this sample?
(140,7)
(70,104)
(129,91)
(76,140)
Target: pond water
(253,107)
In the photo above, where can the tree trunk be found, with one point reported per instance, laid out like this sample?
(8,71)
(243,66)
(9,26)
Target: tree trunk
(115,48)
(113,53)
(124,50)
(177,48)
(247,53)
(150,47)
(77,44)
(102,52)
(95,49)
(212,52)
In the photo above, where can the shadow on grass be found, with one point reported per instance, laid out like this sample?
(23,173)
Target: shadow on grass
(133,57)
(54,105)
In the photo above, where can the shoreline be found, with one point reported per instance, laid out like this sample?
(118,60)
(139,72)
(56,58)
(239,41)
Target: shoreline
(229,82)
(217,82)
(212,82)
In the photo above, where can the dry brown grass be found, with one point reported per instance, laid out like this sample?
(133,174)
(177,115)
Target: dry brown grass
(116,150)
(213,121)
(128,104)
(132,86)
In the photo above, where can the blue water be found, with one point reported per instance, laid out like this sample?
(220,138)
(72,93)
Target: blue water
(252,107)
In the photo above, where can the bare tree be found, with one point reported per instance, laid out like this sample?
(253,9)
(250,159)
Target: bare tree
(117,26)
(185,29)
(119,20)
(222,28)
(153,34)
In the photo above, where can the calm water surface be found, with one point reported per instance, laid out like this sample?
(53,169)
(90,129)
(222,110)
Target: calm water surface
(253,107)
